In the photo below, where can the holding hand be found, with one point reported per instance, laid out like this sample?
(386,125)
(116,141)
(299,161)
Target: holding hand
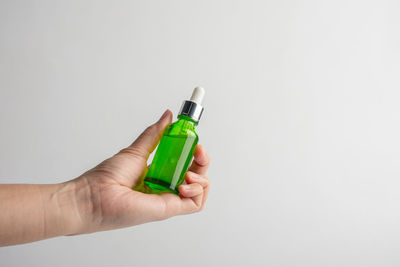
(101,198)
(109,186)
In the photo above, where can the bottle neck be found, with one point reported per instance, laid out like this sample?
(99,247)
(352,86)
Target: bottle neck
(191,109)
(188,120)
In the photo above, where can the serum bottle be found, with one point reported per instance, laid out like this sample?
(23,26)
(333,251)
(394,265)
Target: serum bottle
(175,151)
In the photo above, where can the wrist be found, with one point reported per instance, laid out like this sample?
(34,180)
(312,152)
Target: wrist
(69,208)
(87,215)
(61,216)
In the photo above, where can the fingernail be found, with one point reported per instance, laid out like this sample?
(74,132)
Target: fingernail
(193,175)
(185,187)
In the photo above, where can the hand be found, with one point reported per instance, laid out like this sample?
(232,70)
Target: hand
(105,197)
(102,198)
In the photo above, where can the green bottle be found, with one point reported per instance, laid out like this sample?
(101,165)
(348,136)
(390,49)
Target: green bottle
(175,151)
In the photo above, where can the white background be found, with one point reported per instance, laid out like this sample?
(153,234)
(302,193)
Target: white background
(301,122)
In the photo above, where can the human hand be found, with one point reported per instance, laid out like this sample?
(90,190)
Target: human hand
(104,196)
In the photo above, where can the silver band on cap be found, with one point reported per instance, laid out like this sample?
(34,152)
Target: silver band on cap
(191,109)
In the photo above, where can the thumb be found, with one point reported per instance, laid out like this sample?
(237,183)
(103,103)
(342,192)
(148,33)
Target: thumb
(148,140)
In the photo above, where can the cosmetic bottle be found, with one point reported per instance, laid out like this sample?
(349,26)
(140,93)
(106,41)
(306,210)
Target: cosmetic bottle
(175,150)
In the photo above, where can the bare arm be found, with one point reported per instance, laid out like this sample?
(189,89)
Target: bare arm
(35,212)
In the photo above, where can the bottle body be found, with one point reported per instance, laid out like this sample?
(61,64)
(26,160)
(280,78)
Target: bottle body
(173,156)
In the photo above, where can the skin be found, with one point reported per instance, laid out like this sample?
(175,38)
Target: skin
(101,198)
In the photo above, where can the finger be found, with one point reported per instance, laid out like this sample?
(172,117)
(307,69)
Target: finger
(192,177)
(148,140)
(194,192)
(201,161)
(190,190)
(176,205)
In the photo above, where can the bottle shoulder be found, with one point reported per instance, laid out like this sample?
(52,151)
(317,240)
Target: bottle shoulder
(181,128)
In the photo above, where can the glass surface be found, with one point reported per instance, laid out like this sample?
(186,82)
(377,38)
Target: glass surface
(173,156)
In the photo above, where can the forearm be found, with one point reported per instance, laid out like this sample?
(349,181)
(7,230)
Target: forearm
(33,212)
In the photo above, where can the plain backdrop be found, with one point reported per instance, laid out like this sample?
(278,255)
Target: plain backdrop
(301,120)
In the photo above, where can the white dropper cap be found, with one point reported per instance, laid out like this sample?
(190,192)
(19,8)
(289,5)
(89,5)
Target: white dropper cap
(198,95)
(193,108)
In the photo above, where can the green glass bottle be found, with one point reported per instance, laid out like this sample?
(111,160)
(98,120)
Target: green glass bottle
(175,151)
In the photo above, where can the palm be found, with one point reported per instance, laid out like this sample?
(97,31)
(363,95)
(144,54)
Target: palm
(114,180)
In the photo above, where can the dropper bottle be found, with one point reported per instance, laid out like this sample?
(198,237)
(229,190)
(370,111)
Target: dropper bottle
(175,151)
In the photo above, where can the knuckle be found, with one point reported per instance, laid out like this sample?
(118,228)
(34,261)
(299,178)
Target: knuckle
(151,128)
(135,151)
(207,159)
(199,188)
(195,208)
(189,174)
(200,205)
(206,182)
